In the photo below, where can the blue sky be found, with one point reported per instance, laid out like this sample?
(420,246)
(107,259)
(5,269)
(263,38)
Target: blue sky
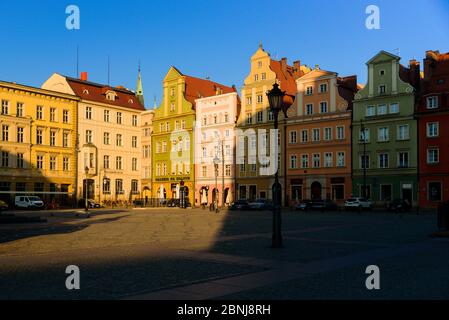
(208,37)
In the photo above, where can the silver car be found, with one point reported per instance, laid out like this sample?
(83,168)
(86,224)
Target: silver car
(358,203)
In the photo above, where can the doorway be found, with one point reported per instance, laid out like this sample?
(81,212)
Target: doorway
(316,190)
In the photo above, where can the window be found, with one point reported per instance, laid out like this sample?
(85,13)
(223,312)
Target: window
(327,134)
(259,98)
(434,191)
(53,163)
(381,109)
(39,136)
(293,161)
(382,72)
(183,124)
(385,192)
(293,136)
(119,186)
(323,87)
(309,90)
(88,136)
(340,133)
(52,114)
(226,117)
(5,133)
(364,135)
(432,156)
(118,163)
(256,77)
(249,100)
(40,162)
(432,102)
(89,113)
(215,119)
(172,92)
(264,76)
(259,116)
(106,117)
(39,112)
(5,159)
(316,135)
(106,162)
(304,161)
(134,142)
(228,170)
(5,107)
(52,138)
(432,129)
(91,160)
(340,159)
(370,111)
(304,135)
(119,118)
(382,134)
(164,146)
(394,107)
(167,126)
(65,116)
(20,160)
(65,139)
(403,132)
(118,140)
(270,115)
(253,167)
(134,164)
(328,161)
(364,162)
(204,171)
(134,121)
(323,107)
(228,150)
(19,109)
(161,127)
(172,107)
(309,109)
(106,186)
(249,118)
(106,138)
(383,160)
(382,89)
(135,186)
(403,160)
(316,160)
(19,134)
(259,64)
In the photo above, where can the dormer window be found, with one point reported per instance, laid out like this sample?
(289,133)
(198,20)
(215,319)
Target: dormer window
(130,101)
(85,91)
(382,72)
(111,95)
(382,89)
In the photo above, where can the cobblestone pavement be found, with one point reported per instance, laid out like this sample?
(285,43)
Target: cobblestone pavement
(195,254)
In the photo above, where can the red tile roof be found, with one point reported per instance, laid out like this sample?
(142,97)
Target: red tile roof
(97,92)
(287,79)
(201,88)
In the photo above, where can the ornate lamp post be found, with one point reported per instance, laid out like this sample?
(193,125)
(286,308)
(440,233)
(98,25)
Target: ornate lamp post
(364,162)
(216,162)
(276,100)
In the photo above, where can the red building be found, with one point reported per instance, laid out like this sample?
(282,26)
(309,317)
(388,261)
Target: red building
(433,130)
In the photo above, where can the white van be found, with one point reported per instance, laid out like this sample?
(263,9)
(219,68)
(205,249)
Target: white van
(29,202)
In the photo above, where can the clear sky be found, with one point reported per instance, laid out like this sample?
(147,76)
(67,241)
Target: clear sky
(209,37)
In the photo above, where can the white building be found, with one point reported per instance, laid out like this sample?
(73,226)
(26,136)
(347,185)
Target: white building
(109,134)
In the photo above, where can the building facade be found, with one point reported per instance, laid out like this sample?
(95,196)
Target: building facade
(215,140)
(108,142)
(433,123)
(384,135)
(319,137)
(146,162)
(38,141)
(173,174)
(255,121)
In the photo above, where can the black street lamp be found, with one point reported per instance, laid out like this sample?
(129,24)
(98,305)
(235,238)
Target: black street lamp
(86,171)
(276,100)
(364,162)
(216,162)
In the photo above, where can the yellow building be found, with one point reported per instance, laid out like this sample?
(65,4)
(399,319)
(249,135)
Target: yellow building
(255,117)
(38,142)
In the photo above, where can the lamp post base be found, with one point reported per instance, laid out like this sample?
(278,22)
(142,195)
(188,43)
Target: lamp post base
(276,241)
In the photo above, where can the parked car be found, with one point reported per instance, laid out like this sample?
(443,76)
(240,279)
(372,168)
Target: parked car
(240,205)
(173,203)
(399,205)
(28,202)
(91,204)
(304,205)
(3,206)
(323,205)
(358,204)
(261,204)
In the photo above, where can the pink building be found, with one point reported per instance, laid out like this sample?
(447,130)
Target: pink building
(215,148)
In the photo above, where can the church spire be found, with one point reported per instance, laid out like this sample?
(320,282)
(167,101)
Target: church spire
(139,92)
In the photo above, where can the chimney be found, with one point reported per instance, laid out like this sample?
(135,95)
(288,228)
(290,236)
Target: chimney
(429,63)
(284,65)
(415,76)
(84,76)
(297,69)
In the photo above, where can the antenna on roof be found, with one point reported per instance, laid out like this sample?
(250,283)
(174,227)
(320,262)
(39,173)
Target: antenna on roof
(109,70)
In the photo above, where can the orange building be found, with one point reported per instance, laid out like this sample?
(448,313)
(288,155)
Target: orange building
(319,137)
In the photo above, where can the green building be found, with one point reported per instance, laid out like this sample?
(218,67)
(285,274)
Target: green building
(384,132)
